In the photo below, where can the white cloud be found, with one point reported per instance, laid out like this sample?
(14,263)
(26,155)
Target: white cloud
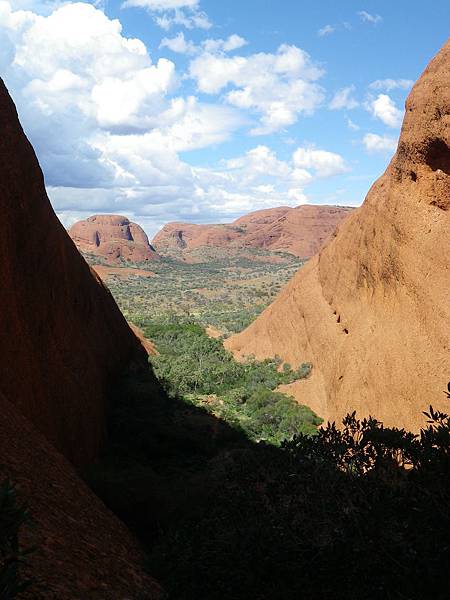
(163,5)
(391,84)
(185,13)
(368,18)
(179,44)
(329,29)
(384,108)
(298,196)
(379,143)
(353,126)
(260,161)
(190,20)
(100,113)
(343,99)
(265,189)
(233,42)
(277,86)
(109,124)
(322,162)
(326,30)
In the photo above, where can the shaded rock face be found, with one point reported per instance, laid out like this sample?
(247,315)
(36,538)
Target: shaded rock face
(301,231)
(63,341)
(113,238)
(63,337)
(371,311)
(82,550)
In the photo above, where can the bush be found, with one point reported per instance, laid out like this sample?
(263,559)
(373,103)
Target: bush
(334,516)
(191,365)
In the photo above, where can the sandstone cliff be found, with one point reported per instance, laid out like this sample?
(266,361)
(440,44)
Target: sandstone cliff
(300,231)
(63,342)
(372,310)
(113,238)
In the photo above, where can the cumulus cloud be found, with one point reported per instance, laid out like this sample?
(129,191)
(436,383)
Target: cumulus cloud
(101,114)
(391,84)
(179,44)
(343,99)
(298,196)
(322,162)
(109,124)
(277,86)
(233,42)
(384,108)
(379,143)
(368,18)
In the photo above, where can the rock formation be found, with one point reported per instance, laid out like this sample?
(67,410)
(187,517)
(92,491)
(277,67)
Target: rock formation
(371,311)
(64,338)
(113,238)
(300,231)
(82,550)
(63,343)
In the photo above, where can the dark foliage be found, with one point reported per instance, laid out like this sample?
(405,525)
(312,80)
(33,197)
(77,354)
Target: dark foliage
(331,516)
(12,517)
(356,513)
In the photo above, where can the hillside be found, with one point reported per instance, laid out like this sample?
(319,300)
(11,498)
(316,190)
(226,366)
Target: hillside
(113,238)
(300,231)
(64,345)
(371,310)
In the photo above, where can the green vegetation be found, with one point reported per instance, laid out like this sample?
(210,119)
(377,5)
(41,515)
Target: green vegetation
(198,369)
(226,288)
(12,556)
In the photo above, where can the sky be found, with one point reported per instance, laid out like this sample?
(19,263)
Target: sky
(204,110)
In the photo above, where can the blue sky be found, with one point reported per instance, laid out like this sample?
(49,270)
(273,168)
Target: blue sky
(199,110)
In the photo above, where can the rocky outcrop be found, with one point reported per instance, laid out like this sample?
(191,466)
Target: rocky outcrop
(63,343)
(113,238)
(371,311)
(301,231)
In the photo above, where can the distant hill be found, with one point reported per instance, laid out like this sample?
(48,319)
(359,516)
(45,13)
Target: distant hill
(371,311)
(301,231)
(113,238)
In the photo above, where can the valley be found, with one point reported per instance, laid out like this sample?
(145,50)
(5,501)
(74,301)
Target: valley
(187,307)
(225,289)
(217,381)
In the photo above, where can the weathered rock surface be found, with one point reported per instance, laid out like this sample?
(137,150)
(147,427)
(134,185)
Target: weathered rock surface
(113,238)
(300,231)
(371,311)
(83,552)
(63,343)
